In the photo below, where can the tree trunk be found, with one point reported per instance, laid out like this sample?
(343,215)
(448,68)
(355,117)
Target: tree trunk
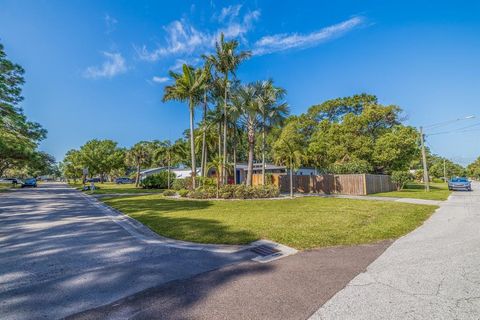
(251,149)
(263,152)
(137,179)
(235,163)
(291,178)
(204,138)
(225,128)
(168,169)
(192,145)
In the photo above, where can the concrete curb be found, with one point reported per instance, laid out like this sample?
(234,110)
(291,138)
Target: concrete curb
(143,233)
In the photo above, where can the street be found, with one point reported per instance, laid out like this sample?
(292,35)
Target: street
(61,254)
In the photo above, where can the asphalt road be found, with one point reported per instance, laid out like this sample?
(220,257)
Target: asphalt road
(431,273)
(60,255)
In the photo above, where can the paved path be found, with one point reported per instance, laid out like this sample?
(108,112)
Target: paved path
(289,288)
(431,273)
(61,254)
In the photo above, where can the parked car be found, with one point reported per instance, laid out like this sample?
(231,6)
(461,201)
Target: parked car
(93,180)
(11,180)
(459,183)
(30,182)
(123,180)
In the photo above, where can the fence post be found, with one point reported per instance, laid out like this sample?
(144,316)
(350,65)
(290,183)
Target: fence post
(365,192)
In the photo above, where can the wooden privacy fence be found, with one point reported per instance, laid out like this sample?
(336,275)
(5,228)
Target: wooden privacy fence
(351,184)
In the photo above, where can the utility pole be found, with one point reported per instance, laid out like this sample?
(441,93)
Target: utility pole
(424,160)
(444,171)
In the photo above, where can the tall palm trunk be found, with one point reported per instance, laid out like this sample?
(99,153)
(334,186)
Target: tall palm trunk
(235,161)
(224,179)
(204,138)
(168,169)
(251,149)
(192,145)
(263,152)
(291,178)
(137,178)
(220,149)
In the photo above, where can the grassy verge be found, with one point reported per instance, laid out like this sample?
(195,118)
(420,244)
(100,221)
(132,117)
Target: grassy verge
(113,188)
(301,223)
(438,191)
(5,187)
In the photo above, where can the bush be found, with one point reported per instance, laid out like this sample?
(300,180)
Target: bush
(157,181)
(400,178)
(180,184)
(169,193)
(183,193)
(239,191)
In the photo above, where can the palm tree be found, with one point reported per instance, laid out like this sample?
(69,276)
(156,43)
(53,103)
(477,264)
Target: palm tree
(217,164)
(273,112)
(246,104)
(225,61)
(189,86)
(139,155)
(207,86)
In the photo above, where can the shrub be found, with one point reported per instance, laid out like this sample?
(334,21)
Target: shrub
(183,193)
(169,193)
(400,178)
(157,181)
(185,183)
(350,167)
(239,191)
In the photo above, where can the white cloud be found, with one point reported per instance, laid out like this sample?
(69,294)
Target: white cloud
(113,65)
(160,79)
(280,42)
(110,23)
(229,12)
(183,39)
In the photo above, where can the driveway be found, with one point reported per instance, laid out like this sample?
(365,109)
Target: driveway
(62,254)
(431,273)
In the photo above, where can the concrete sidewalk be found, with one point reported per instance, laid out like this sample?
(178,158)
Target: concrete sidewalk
(431,273)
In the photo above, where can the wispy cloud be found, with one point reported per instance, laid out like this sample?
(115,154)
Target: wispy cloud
(229,12)
(110,23)
(160,79)
(281,42)
(113,65)
(183,39)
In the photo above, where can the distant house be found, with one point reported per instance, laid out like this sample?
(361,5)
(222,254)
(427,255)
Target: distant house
(180,173)
(306,172)
(241,168)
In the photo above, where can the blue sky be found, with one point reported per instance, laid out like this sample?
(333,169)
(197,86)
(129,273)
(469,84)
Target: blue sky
(96,69)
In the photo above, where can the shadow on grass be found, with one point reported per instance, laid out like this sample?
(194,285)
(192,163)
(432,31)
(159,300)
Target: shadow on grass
(159,215)
(421,187)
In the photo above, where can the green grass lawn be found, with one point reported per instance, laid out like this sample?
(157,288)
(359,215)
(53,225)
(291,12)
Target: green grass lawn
(301,223)
(438,191)
(5,187)
(113,188)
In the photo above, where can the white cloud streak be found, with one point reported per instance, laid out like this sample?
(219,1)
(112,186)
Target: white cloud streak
(113,65)
(110,23)
(281,42)
(160,79)
(184,39)
(229,12)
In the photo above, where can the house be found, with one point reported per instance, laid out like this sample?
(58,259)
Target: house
(180,173)
(241,170)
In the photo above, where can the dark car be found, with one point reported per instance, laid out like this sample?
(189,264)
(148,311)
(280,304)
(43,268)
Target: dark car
(123,180)
(30,182)
(93,180)
(460,183)
(11,180)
